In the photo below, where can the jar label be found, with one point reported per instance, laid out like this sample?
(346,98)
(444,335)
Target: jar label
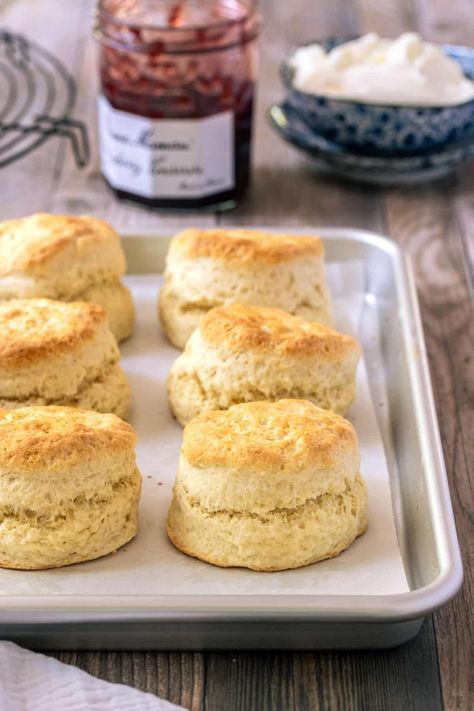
(166,158)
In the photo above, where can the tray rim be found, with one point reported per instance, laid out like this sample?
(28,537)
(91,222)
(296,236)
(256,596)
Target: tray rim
(383,609)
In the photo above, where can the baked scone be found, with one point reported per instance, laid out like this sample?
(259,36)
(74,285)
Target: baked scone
(268,486)
(69,259)
(56,353)
(69,486)
(209,268)
(245,353)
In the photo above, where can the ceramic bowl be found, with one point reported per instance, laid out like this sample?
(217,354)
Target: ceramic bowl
(393,130)
(372,168)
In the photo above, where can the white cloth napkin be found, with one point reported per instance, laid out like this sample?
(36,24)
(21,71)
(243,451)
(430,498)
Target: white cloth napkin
(33,682)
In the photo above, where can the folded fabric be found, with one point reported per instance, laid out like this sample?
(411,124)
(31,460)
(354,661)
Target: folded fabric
(34,682)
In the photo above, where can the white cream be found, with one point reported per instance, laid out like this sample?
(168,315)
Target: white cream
(405,71)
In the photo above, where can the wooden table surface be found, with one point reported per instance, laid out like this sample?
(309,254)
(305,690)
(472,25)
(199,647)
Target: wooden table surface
(433,222)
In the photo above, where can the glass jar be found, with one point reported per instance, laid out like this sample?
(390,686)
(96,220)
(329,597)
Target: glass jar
(177,90)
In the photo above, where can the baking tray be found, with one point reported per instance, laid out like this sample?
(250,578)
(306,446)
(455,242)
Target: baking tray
(399,377)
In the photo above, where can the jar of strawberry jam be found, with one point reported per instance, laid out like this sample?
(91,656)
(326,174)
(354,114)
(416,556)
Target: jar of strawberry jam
(175,109)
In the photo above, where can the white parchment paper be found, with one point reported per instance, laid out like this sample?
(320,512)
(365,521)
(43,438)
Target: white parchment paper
(150,564)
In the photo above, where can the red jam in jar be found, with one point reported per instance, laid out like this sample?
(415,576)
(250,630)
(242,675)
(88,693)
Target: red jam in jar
(175,110)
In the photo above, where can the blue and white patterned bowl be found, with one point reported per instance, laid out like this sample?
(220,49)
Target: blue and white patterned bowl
(372,168)
(390,130)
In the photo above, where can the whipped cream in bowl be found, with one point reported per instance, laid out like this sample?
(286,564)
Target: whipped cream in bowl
(370,69)
(379,95)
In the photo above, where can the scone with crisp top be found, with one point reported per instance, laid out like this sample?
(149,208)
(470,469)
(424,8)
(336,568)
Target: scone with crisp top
(56,353)
(210,268)
(268,486)
(69,486)
(243,353)
(68,259)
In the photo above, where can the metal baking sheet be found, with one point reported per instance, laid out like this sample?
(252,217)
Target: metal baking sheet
(394,353)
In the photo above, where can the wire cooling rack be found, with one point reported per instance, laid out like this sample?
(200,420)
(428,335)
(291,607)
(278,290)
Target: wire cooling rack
(37,95)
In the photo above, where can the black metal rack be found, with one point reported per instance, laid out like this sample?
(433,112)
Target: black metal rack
(37,96)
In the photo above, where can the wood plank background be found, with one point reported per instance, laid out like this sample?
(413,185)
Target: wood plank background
(435,224)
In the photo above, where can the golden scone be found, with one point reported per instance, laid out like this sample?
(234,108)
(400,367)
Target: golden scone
(268,486)
(209,268)
(69,259)
(57,353)
(69,486)
(245,353)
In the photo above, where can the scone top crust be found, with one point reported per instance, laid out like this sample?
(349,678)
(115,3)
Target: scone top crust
(55,439)
(283,436)
(35,329)
(236,247)
(273,330)
(31,245)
